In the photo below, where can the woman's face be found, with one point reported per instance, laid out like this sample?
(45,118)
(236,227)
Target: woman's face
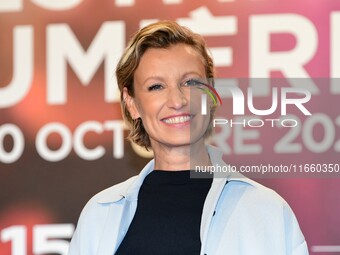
(167,97)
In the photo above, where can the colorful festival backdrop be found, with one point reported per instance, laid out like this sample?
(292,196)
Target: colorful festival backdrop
(62,138)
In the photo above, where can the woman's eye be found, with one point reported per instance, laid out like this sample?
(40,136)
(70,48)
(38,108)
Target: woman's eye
(192,82)
(155,87)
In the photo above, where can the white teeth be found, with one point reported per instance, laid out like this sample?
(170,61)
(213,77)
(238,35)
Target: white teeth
(176,120)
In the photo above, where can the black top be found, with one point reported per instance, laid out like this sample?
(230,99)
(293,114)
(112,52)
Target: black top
(168,215)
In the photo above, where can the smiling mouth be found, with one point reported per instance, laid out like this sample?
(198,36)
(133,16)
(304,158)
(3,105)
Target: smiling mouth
(178,119)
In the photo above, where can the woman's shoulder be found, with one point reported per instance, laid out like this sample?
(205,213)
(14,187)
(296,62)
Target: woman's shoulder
(257,216)
(251,195)
(94,212)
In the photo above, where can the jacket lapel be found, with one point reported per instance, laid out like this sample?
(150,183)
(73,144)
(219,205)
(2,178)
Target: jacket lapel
(122,207)
(112,231)
(209,208)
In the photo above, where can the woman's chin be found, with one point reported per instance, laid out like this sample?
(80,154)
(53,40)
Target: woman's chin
(178,141)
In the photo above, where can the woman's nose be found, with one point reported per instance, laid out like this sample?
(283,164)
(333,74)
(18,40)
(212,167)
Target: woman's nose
(177,98)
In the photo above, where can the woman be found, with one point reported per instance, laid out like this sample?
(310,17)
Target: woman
(161,76)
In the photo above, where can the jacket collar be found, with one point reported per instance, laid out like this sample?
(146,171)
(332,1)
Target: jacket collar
(130,188)
(131,193)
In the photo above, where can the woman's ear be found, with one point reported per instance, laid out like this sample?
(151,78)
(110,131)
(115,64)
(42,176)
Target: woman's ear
(130,103)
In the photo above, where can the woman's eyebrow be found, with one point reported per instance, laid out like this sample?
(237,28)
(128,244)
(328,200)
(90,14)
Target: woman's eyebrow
(154,78)
(191,73)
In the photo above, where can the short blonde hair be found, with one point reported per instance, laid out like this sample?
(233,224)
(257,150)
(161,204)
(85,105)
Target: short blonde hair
(162,34)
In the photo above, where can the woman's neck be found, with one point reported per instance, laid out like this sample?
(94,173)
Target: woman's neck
(181,157)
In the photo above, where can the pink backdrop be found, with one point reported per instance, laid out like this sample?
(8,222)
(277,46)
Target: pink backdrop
(61,131)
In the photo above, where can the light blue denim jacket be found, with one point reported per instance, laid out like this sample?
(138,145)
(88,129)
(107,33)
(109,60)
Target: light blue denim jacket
(240,218)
